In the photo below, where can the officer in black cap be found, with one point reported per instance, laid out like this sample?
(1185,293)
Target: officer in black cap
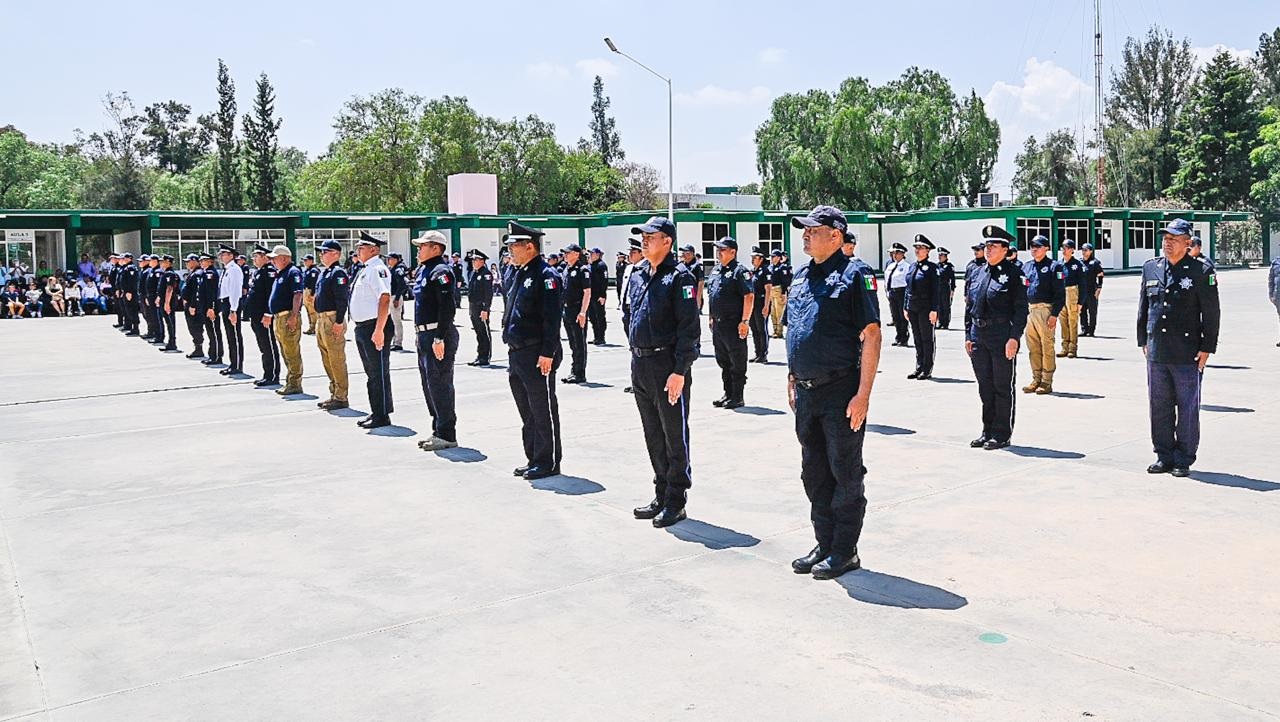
(833,350)
(147,296)
(599,296)
(112,274)
(920,305)
(780,281)
(577,311)
(1178,322)
(995,315)
(333,295)
(167,303)
(1197,251)
(479,301)
(663,334)
(399,292)
(310,274)
(1046,295)
(895,281)
(729,294)
(207,297)
(261,280)
(1090,290)
(1069,320)
(634,257)
(947,277)
(1013,253)
(689,257)
(619,266)
(761,290)
(532,334)
(973,266)
(437,338)
(191,305)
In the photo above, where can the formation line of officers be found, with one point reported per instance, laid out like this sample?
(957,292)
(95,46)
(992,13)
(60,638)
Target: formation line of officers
(833,340)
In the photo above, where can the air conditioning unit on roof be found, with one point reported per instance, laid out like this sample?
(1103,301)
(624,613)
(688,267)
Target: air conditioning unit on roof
(1047,201)
(944,201)
(988,200)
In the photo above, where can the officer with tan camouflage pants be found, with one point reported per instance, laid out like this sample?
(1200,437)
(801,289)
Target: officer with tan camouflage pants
(1045,297)
(333,290)
(1073,271)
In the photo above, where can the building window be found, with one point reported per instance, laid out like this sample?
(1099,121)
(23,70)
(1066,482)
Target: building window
(712,232)
(771,237)
(1029,228)
(1142,235)
(1075,230)
(1102,241)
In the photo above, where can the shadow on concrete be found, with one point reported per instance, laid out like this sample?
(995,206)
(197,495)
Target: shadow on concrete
(1075,395)
(774,363)
(1234,481)
(1094,358)
(946,380)
(887,590)
(710,535)
(593,385)
(1229,368)
(1225,409)
(889,430)
(758,411)
(348,413)
(1110,338)
(242,376)
(393,431)
(300,397)
(568,485)
(461,455)
(1039,453)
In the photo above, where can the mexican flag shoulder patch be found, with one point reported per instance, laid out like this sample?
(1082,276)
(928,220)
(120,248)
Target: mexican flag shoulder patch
(1061,276)
(342,280)
(551,284)
(444,280)
(870,282)
(1213,279)
(687,291)
(1026,280)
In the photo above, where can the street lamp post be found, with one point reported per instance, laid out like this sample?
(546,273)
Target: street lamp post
(671,164)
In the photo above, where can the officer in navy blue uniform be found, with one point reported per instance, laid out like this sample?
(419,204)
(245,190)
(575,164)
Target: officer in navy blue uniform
(479,302)
(973,266)
(761,290)
(1178,321)
(310,274)
(833,350)
(1273,286)
(1090,290)
(663,334)
(261,279)
(167,303)
(147,296)
(532,334)
(947,277)
(191,305)
(437,338)
(112,274)
(577,311)
(207,299)
(920,306)
(731,299)
(689,257)
(599,296)
(995,314)
(128,290)
(399,292)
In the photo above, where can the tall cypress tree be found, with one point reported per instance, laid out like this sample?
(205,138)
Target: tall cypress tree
(227,191)
(604,136)
(262,143)
(1216,131)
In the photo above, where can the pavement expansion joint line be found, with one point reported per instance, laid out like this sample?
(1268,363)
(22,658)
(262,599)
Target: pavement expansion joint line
(145,429)
(26,626)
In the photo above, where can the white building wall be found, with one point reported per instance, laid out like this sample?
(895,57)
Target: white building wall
(748,236)
(1110,257)
(612,239)
(869,246)
(954,235)
(558,238)
(397,242)
(488,240)
(129,241)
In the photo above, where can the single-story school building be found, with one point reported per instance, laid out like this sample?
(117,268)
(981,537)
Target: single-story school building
(1123,237)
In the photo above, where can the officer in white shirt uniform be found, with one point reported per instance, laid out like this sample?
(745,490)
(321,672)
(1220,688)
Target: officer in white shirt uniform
(895,278)
(230,291)
(370,309)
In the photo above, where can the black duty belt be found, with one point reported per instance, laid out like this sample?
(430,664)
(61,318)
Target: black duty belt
(984,323)
(823,379)
(523,345)
(649,352)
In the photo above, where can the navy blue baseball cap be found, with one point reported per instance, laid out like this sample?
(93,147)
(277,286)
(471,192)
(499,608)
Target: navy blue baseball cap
(1178,227)
(571,248)
(596,250)
(325,246)
(687,248)
(395,255)
(829,216)
(1040,242)
(657,224)
(309,257)
(727,242)
(1068,243)
(192,257)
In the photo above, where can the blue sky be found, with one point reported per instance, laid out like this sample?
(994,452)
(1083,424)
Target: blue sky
(1031,60)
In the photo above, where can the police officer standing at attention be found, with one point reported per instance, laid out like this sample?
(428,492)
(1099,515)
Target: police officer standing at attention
(261,280)
(479,301)
(619,266)
(113,273)
(1273,286)
(437,338)
(634,257)
(230,291)
(947,274)
(127,293)
(895,279)
(833,350)
(1046,294)
(973,266)
(995,314)
(399,292)
(761,290)
(599,296)
(370,309)
(780,280)
(310,272)
(920,304)
(663,334)
(146,296)
(729,293)
(1073,271)
(689,257)
(208,300)
(333,290)
(167,302)
(532,334)
(577,310)
(1178,319)
(1197,252)
(191,305)
(1090,290)
(284,316)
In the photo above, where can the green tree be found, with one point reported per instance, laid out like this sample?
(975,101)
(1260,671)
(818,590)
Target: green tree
(38,176)
(228,194)
(1266,64)
(642,186)
(1265,158)
(1052,167)
(604,135)
(115,176)
(261,148)
(172,141)
(1216,132)
(977,142)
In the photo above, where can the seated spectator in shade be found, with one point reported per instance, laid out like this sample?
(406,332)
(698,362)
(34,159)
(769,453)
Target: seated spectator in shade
(73,299)
(86,267)
(33,300)
(57,295)
(12,300)
(91,298)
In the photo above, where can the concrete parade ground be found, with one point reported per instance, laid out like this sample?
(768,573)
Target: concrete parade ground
(177,545)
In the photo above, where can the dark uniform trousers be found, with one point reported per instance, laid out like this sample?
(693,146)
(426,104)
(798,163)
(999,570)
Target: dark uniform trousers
(377,366)
(1173,391)
(577,341)
(148,315)
(213,331)
(731,356)
(535,397)
(759,332)
(437,382)
(924,334)
(235,336)
(944,307)
(134,309)
(666,425)
(484,337)
(596,317)
(996,378)
(897,302)
(1088,312)
(195,327)
(269,347)
(831,464)
(168,323)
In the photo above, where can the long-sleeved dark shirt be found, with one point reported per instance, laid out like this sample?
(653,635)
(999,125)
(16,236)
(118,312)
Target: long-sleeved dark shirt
(533,318)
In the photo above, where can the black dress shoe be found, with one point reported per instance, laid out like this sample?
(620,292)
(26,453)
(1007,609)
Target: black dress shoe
(1181,472)
(993,444)
(519,470)
(196,354)
(913,375)
(132,333)
(571,379)
(377,423)
(629,390)
(224,372)
(753,360)
(734,404)
(805,564)
(262,382)
(365,421)
(541,472)
(925,376)
(720,401)
(669,516)
(1159,468)
(834,566)
(763,360)
(648,512)
(978,443)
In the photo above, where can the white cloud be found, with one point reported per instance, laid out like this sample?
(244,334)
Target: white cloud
(546,71)
(714,95)
(1204,55)
(592,67)
(1048,98)
(771,56)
